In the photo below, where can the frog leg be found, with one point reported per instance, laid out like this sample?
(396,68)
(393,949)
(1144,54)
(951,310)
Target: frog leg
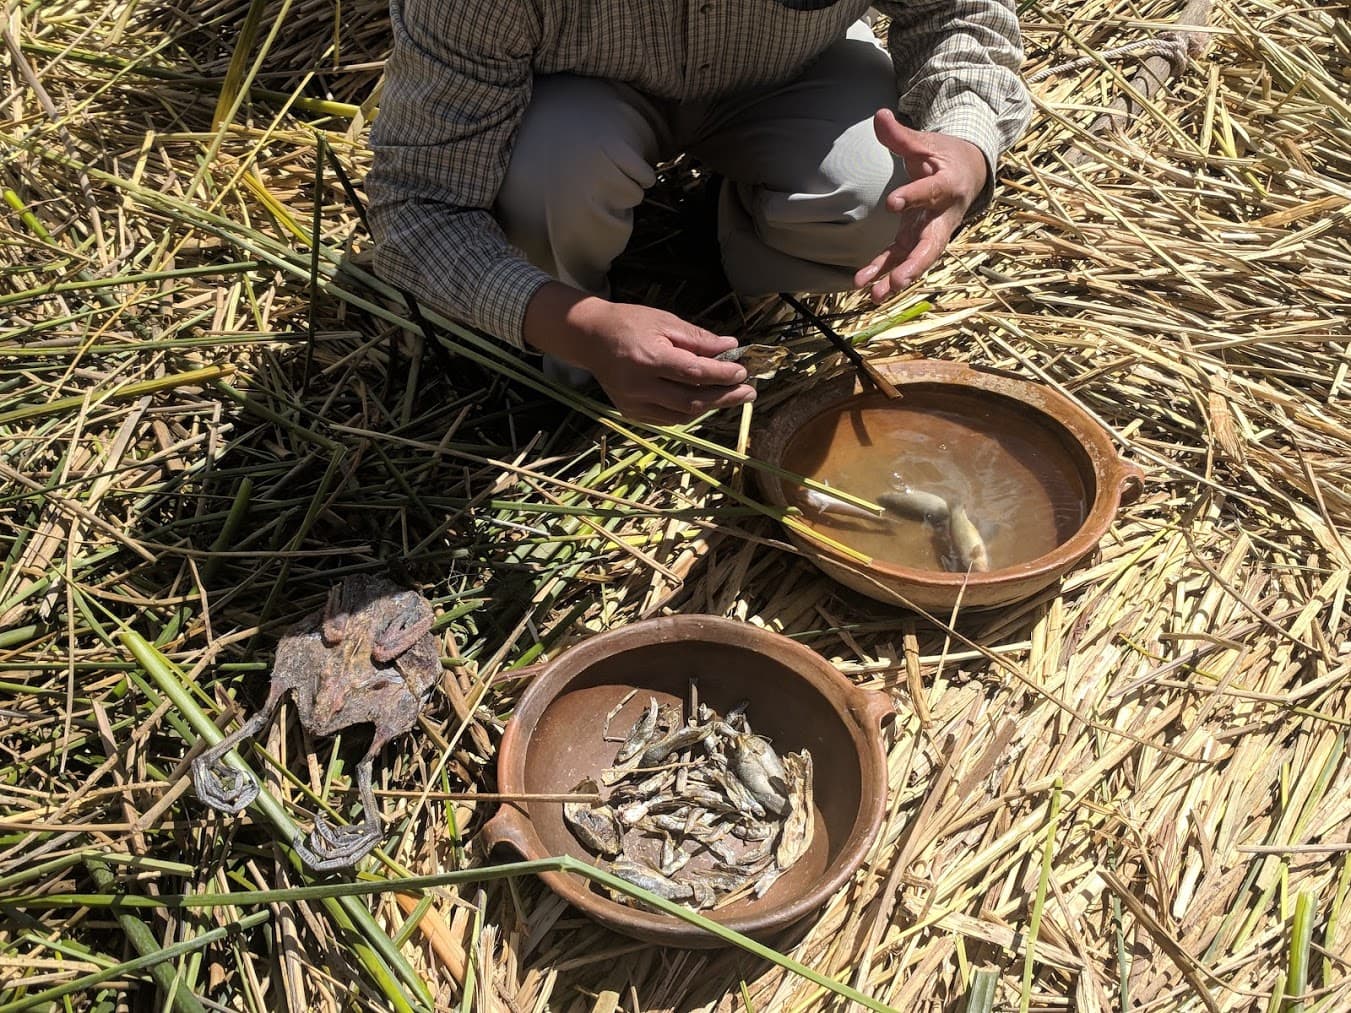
(338,847)
(408,623)
(220,785)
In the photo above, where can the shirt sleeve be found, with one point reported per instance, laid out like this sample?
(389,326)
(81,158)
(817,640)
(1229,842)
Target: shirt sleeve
(957,67)
(456,85)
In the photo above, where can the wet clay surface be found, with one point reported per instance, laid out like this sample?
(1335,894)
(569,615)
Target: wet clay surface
(1019,475)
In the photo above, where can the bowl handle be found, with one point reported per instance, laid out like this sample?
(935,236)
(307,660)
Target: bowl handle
(1131,483)
(509,827)
(875,707)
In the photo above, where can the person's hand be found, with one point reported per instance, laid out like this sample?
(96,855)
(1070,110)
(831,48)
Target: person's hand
(658,368)
(947,174)
(654,366)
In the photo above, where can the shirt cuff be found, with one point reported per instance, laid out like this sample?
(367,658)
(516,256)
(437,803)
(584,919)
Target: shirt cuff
(971,120)
(501,296)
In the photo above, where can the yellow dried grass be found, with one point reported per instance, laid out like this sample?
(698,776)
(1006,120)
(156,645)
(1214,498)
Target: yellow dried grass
(1185,279)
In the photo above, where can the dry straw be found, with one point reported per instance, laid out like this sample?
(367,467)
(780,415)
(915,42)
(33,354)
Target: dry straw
(1130,792)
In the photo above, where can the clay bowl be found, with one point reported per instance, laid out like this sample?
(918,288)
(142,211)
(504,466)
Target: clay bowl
(1073,480)
(796,698)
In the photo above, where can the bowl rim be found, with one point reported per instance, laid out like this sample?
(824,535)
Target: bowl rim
(1111,475)
(861,711)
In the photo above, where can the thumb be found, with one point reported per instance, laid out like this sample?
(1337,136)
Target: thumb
(699,341)
(903,141)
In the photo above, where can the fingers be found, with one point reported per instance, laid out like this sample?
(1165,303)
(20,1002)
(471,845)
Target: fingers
(667,403)
(654,415)
(903,141)
(665,370)
(692,359)
(692,401)
(934,191)
(872,269)
(944,170)
(896,268)
(699,341)
(701,371)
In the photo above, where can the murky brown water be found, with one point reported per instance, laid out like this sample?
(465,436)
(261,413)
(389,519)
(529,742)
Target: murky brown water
(1012,469)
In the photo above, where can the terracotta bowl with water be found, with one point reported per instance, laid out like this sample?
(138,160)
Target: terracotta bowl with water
(1038,477)
(795,697)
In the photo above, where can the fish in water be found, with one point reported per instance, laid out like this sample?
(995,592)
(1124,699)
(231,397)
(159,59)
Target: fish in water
(824,503)
(967,543)
(916,504)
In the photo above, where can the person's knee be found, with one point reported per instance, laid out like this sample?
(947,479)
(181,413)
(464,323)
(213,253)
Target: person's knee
(860,192)
(571,173)
(568,161)
(846,223)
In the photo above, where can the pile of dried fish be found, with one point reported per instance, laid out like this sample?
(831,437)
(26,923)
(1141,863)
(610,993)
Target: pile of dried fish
(696,807)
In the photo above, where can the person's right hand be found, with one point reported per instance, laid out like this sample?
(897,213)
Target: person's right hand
(654,366)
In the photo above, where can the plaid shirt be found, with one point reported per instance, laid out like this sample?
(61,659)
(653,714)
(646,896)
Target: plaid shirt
(459,79)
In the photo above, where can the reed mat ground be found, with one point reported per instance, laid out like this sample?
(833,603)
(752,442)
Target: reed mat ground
(1130,793)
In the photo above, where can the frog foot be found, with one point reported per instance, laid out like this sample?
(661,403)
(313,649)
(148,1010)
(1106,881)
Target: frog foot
(338,847)
(222,786)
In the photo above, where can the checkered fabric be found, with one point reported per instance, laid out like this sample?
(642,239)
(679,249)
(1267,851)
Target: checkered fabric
(460,75)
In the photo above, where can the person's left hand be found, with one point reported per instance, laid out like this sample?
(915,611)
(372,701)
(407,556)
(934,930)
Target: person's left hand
(947,174)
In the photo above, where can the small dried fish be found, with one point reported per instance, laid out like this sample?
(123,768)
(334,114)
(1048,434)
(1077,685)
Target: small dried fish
(683,773)
(761,854)
(662,823)
(759,768)
(592,823)
(796,836)
(754,830)
(713,801)
(971,554)
(915,504)
(694,824)
(614,713)
(767,879)
(649,878)
(704,893)
(757,359)
(673,857)
(634,813)
(672,742)
(739,795)
(640,734)
(699,809)
(725,851)
(723,881)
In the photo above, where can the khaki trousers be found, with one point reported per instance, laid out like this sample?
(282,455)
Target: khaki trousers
(801,208)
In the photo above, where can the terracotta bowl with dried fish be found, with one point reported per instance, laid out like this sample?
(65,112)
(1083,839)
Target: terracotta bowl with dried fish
(713,762)
(975,485)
